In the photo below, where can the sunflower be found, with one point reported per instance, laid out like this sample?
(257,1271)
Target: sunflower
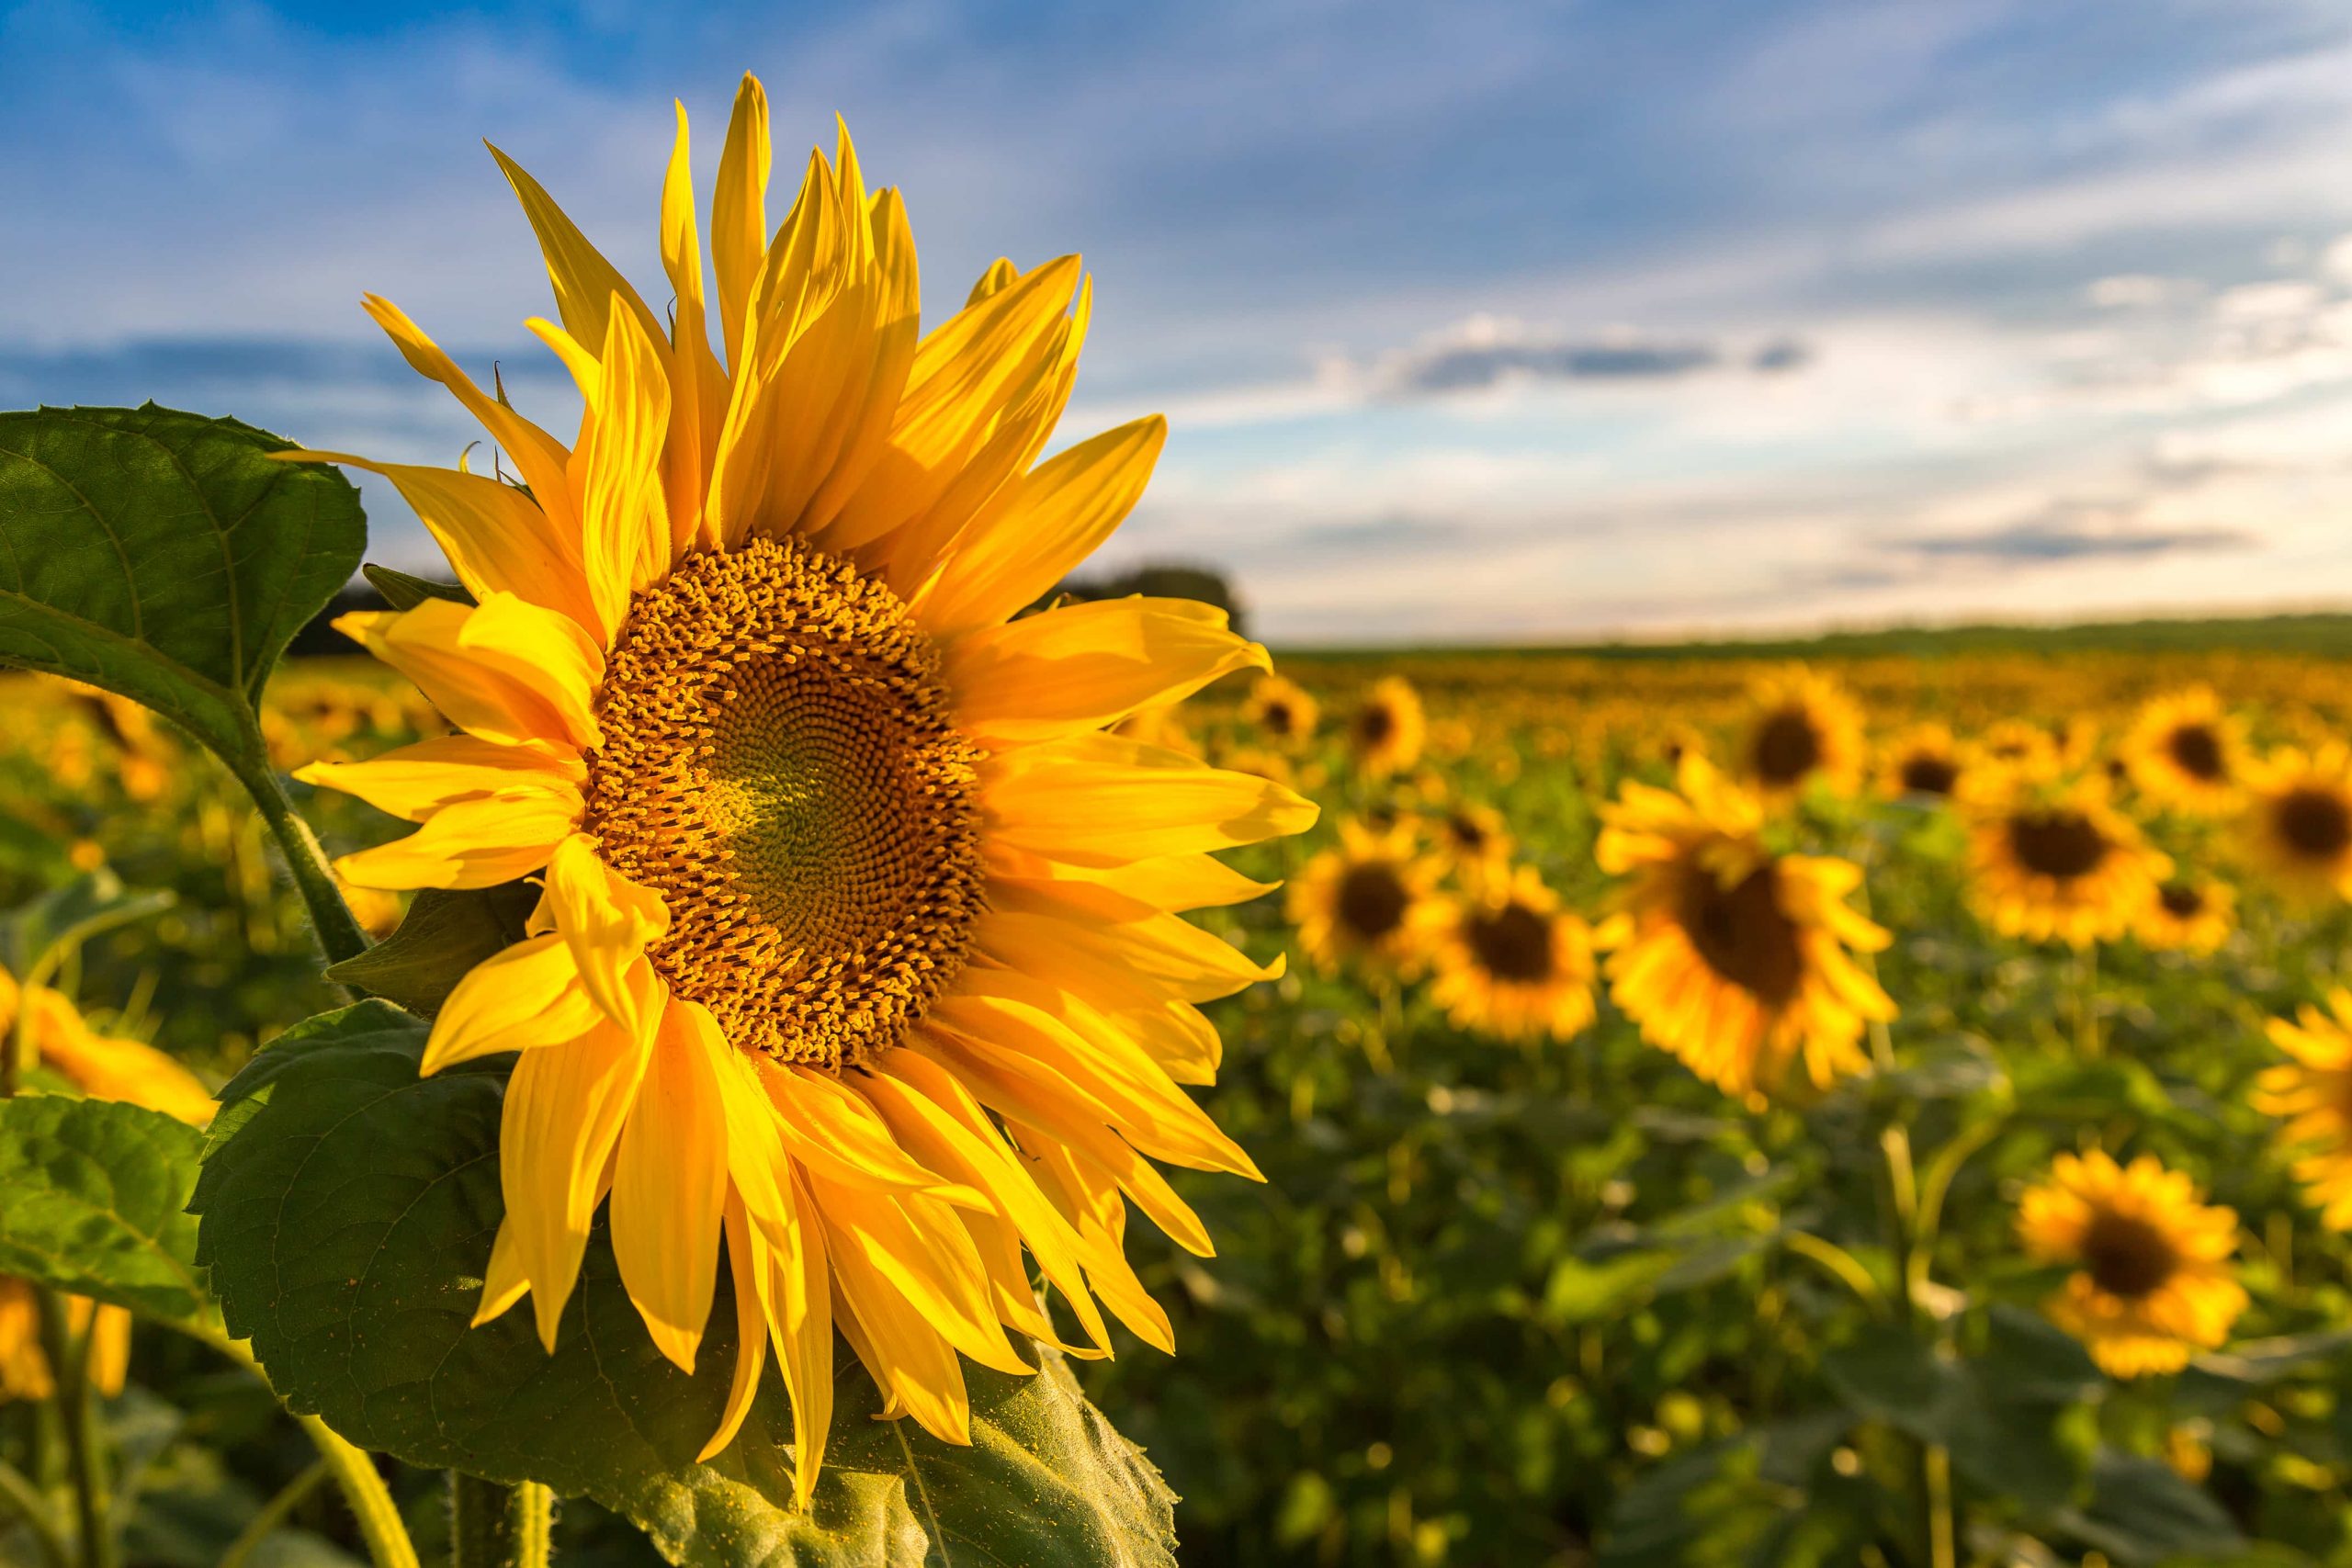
(1386,729)
(1730,956)
(2297,822)
(1362,901)
(2013,746)
(2152,1278)
(1509,961)
(859,937)
(2187,751)
(1805,730)
(1282,711)
(1469,837)
(102,1067)
(2188,915)
(1923,763)
(2056,862)
(2311,1092)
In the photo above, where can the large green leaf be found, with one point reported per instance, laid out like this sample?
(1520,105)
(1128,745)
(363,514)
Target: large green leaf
(443,935)
(348,1208)
(2003,1439)
(164,556)
(93,1195)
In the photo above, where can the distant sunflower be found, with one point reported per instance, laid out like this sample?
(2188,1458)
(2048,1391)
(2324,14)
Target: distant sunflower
(1733,958)
(2296,825)
(2056,863)
(1923,763)
(1386,729)
(2013,746)
(1282,711)
(860,939)
(2188,915)
(1509,961)
(2187,751)
(1806,730)
(2152,1279)
(1672,742)
(2311,1092)
(1363,902)
(1470,837)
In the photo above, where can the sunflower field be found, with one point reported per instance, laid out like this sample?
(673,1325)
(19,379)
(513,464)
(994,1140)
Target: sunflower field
(757,1031)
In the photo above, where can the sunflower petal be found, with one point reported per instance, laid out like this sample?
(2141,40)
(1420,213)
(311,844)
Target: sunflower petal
(1086,666)
(563,1115)
(669,1189)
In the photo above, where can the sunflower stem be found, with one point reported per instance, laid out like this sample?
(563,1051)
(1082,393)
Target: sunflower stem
(273,1514)
(20,1497)
(338,930)
(2087,1040)
(69,1369)
(495,1526)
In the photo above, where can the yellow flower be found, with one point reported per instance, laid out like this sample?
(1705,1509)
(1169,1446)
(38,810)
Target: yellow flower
(1731,957)
(1361,902)
(1282,711)
(1470,837)
(1386,729)
(860,941)
(2187,751)
(2188,915)
(1805,730)
(2311,1092)
(2297,822)
(1509,961)
(2151,1279)
(2053,861)
(1922,763)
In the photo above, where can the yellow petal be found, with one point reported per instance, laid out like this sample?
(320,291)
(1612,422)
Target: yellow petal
(1065,509)
(699,391)
(105,1067)
(834,1131)
(528,994)
(563,1115)
(1174,882)
(800,1316)
(417,780)
(1101,799)
(588,289)
(503,670)
(479,843)
(1087,666)
(747,1263)
(606,920)
(739,225)
(624,540)
(669,1189)
(503,1284)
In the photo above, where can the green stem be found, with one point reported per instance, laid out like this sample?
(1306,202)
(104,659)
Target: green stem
(495,1526)
(22,1498)
(2087,1041)
(273,1514)
(69,1367)
(338,931)
(1935,1480)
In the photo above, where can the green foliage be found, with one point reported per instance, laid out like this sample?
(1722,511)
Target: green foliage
(165,557)
(348,1207)
(443,935)
(91,1196)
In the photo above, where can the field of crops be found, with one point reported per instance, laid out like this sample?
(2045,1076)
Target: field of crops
(1715,1110)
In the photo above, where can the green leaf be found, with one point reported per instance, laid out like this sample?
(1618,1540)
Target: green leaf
(402,592)
(443,935)
(96,1192)
(347,1215)
(165,557)
(2009,1447)
(33,935)
(2142,1511)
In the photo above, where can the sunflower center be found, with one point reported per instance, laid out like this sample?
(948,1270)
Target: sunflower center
(1926,774)
(778,763)
(1374,725)
(1787,747)
(2127,1255)
(1512,943)
(2197,751)
(1276,718)
(1468,836)
(1741,933)
(1372,900)
(2061,845)
(2315,822)
(2179,899)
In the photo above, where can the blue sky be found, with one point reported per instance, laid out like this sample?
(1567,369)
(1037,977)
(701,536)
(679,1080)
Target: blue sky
(1473,322)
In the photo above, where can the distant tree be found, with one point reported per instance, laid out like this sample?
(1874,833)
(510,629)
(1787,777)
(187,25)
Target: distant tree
(1159,579)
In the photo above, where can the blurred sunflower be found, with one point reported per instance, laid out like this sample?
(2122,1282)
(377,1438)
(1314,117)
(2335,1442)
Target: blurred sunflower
(102,1067)
(2187,751)
(2188,915)
(1730,956)
(2152,1279)
(1362,901)
(1508,961)
(2296,825)
(2013,746)
(860,938)
(1922,763)
(2311,1092)
(1806,730)
(1282,711)
(1469,836)
(1386,731)
(2054,861)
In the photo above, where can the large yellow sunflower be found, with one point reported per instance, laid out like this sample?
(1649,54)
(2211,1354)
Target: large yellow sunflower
(860,938)
(2311,1091)
(1387,728)
(2297,822)
(1509,961)
(59,1038)
(1729,956)
(2056,862)
(1805,730)
(2187,751)
(2151,1279)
